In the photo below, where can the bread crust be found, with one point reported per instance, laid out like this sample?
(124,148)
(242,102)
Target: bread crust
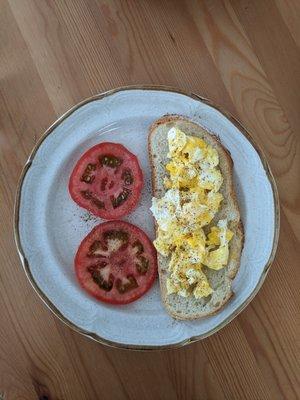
(229,274)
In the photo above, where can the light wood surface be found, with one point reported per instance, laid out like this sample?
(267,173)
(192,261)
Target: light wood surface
(243,55)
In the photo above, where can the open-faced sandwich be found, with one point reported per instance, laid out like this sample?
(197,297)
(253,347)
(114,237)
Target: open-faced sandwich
(199,235)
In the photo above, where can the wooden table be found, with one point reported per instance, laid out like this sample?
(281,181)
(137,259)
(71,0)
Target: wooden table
(242,55)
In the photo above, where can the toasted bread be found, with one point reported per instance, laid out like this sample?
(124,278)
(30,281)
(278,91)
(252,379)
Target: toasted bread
(221,281)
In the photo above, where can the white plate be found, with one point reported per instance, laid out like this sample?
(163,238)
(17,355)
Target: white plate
(50,226)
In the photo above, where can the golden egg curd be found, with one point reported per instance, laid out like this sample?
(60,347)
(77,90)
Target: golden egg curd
(190,203)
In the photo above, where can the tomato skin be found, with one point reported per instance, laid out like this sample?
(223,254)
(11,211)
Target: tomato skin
(82,261)
(76,186)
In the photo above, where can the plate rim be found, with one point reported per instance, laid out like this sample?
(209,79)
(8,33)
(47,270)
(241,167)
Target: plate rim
(26,265)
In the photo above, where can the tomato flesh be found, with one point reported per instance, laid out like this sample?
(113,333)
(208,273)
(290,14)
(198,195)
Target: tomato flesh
(107,180)
(116,262)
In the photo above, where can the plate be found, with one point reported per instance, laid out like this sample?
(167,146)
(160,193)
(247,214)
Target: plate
(49,226)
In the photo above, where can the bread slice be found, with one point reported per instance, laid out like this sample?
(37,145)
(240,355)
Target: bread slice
(221,281)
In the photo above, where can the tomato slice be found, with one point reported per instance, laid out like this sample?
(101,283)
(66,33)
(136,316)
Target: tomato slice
(116,262)
(107,180)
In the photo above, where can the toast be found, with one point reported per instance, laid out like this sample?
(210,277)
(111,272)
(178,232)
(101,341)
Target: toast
(187,308)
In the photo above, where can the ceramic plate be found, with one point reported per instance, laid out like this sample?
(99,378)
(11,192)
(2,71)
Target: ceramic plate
(50,226)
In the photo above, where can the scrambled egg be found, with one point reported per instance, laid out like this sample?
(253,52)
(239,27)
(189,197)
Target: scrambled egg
(190,203)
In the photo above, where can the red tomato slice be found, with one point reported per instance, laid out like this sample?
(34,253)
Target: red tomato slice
(107,180)
(116,262)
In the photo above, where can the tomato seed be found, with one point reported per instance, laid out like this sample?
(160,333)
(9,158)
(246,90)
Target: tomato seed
(87,177)
(143,267)
(95,271)
(129,285)
(111,235)
(139,246)
(127,177)
(110,161)
(86,194)
(121,198)
(94,249)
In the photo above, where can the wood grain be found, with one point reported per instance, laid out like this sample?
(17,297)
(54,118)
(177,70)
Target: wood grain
(244,55)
